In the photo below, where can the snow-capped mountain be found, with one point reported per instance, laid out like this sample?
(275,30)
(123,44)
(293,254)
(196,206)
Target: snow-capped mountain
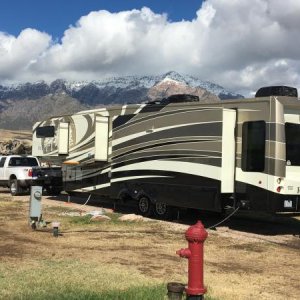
(143,83)
(24,104)
(111,90)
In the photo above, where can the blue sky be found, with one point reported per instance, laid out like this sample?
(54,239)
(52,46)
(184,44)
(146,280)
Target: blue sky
(241,45)
(55,16)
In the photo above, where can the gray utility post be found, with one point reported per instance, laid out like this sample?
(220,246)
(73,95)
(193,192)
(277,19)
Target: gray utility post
(35,207)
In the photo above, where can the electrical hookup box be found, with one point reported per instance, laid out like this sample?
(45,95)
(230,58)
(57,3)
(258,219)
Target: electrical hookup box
(35,206)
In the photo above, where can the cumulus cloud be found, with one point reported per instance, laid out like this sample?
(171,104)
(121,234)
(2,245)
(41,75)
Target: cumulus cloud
(239,44)
(18,53)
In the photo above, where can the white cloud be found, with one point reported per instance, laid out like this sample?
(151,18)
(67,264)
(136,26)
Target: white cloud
(240,44)
(17,53)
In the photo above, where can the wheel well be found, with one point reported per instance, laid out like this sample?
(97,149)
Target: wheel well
(12,177)
(124,195)
(143,194)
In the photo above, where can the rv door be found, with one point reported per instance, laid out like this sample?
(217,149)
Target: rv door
(101,138)
(63,138)
(228,151)
(292,143)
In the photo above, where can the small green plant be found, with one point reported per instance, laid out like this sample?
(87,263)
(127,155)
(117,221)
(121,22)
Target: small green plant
(82,220)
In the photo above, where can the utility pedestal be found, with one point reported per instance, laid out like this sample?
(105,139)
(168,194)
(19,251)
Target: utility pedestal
(35,206)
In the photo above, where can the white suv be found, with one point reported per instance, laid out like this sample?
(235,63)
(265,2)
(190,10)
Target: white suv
(16,172)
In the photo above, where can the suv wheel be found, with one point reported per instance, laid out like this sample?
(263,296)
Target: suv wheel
(14,187)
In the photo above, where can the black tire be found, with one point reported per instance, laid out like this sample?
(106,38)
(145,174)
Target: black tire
(163,211)
(145,206)
(15,188)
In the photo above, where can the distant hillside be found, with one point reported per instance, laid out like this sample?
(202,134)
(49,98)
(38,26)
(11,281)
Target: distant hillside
(15,142)
(22,114)
(24,104)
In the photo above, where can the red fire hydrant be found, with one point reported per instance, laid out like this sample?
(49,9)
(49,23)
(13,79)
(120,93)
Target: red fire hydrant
(195,235)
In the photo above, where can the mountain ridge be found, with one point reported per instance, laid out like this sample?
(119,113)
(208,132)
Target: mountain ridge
(74,88)
(21,105)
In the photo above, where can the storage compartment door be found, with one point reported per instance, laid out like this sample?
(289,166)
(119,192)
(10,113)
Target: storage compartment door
(63,138)
(228,151)
(37,148)
(101,138)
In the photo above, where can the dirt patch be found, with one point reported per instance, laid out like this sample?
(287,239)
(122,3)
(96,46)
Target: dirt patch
(235,268)
(258,248)
(15,134)
(295,243)
(14,245)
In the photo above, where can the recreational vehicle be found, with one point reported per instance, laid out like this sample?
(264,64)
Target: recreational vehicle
(180,152)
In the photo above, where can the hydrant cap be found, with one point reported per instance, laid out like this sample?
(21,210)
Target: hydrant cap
(196,233)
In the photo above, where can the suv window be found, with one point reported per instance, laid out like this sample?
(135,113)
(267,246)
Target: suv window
(2,161)
(23,162)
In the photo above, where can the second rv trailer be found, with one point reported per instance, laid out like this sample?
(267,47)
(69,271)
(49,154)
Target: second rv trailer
(184,154)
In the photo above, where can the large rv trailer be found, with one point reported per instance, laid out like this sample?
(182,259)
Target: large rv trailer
(182,154)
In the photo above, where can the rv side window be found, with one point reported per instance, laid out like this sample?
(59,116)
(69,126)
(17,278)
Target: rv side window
(45,131)
(253,146)
(292,143)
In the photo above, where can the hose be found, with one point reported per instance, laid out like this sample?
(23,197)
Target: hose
(230,215)
(88,199)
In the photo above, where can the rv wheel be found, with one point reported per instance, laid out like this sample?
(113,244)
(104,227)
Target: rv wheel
(145,206)
(163,211)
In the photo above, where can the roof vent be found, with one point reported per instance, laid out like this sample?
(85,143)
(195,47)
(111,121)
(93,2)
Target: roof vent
(181,98)
(177,98)
(277,91)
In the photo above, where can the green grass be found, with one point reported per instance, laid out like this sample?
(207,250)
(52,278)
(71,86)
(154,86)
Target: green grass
(158,292)
(138,293)
(44,278)
(75,279)
(72,279)
(86,220)
(82,220)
